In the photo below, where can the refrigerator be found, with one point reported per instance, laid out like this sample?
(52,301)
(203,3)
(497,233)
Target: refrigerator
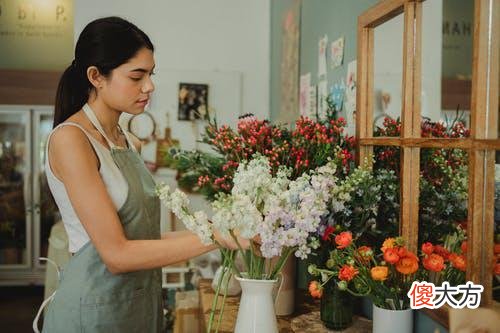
(27,209)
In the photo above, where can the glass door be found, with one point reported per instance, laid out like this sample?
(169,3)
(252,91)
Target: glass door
(45,209)
(15,189)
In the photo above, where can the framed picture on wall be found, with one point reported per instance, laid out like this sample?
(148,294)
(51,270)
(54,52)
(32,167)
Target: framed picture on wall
(193,101)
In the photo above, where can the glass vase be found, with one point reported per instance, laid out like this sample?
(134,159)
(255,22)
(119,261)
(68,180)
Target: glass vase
(336,307)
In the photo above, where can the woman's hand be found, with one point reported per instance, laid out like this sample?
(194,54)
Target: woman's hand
(230,243)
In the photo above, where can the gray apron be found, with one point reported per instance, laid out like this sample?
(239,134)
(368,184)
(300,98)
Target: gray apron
(91,299)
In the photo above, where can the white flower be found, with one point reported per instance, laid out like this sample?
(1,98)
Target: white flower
(178,202)
(285,213)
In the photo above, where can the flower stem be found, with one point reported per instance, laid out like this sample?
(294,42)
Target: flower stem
(216,297)
(231,262)
(241,250)
(281,262)
(231,255)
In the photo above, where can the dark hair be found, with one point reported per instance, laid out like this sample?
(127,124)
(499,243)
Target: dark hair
(105,43)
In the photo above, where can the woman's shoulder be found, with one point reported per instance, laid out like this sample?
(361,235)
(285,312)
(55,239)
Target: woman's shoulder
(71,137)
(72,130)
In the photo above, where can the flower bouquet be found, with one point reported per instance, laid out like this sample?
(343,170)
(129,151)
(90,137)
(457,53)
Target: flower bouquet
(283,212)
(385,278)
(446,261)
(336,303)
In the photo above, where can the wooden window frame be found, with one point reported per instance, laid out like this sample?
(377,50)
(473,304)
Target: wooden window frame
(481,145)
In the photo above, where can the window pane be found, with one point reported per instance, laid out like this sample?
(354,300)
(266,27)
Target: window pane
(386,171)
(446,80)
(388,73)
(443,213)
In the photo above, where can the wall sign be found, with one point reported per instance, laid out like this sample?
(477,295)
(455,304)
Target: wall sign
(36,34)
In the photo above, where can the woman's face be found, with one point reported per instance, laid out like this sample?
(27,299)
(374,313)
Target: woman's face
(129,87)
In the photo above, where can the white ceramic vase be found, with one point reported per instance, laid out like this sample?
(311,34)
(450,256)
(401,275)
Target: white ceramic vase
(256,312)
(392,321)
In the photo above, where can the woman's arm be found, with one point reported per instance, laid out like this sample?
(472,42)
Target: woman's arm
(77,168)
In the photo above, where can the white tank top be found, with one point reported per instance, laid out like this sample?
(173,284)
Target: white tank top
(111,175)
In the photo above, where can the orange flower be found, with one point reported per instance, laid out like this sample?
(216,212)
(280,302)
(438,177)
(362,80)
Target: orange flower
(463,247)
(496,249)
(458,261)
(401,251)
(347,273)
(388,244)
(497,269)
(315,289)
(391,255)
(379,273)
(427,248)
(442,251)
(434,262)
(407,264)
(365,253)
(343,240)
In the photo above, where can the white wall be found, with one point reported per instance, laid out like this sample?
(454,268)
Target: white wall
(230,37)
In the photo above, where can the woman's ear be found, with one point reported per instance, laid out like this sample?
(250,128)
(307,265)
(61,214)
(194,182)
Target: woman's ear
(95,77)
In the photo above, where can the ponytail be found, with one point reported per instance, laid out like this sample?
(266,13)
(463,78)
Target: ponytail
(72,94)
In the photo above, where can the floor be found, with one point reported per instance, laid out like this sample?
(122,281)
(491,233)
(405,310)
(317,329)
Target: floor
(18,308)
(19,305)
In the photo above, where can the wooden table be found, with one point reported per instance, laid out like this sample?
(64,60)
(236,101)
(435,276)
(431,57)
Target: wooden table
(305,317)
(304,304)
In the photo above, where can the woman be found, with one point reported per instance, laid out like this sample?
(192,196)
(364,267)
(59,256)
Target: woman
(105,193)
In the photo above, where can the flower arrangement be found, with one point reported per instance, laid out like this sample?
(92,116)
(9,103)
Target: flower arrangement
(385,277)
(311,144)
(283,212)
(447,261)
(264,180)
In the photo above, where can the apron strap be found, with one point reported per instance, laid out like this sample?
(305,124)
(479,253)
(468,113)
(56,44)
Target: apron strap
(127,137)
(93,119)
(50,298)
(40,310)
